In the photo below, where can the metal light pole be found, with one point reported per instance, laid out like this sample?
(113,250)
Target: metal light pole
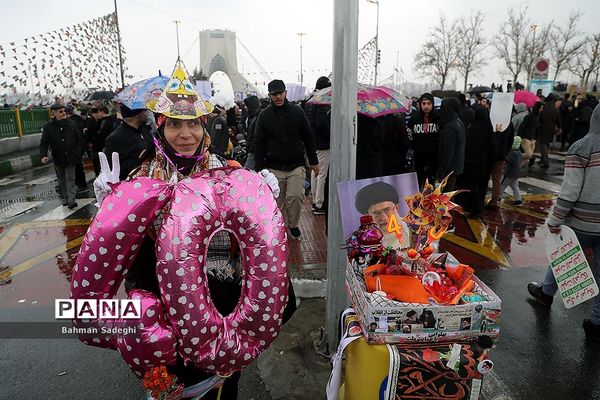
(376,2)
(176,22)
(343,155)
(119,45)
(534,28)
(301,73)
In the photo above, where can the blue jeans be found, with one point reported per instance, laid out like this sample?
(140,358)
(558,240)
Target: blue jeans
(550,287)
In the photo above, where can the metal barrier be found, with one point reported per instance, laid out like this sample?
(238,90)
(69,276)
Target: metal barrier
(32,121)
(15,123)
(8,123)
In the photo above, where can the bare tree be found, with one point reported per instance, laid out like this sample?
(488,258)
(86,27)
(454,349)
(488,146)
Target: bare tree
(565,42)
(438,55)
(471,44)
(586,61)
(510,42)
(536,45)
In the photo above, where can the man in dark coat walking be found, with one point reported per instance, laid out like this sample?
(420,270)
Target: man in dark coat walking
(64,140)
(549,125)
(281,139)
(451,148)
(479,153)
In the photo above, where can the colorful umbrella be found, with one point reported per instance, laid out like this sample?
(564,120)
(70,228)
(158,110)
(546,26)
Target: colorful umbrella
(525,97)
(372,101)
(138,95)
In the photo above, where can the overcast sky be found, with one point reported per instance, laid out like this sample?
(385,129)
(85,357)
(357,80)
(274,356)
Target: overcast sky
(269,29)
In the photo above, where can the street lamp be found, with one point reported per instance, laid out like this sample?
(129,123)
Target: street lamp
(300,34)
(376,2)
(176,22)
(534,28)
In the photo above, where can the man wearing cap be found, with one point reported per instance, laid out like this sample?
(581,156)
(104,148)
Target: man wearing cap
(380,200)
(281,139)
(423,128)
(130,139)
(64,140)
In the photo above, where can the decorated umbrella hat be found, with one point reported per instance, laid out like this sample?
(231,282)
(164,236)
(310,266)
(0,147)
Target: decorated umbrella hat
(179,99)
(140,94)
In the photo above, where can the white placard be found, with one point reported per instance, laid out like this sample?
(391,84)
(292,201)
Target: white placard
(501,110)
(574,277)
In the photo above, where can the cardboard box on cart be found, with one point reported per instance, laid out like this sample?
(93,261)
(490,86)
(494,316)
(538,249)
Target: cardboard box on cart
(388,321)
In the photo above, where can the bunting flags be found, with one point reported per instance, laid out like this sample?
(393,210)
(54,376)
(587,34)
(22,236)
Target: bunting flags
(73,59)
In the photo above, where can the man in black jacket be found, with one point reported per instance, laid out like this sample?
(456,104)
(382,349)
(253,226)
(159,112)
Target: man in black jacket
(281,138)
(451,149)
(130,139)
(319,120)
(65,141)
(423,128)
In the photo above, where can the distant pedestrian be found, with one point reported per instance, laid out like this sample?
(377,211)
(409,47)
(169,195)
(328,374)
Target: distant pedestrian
(465,113)
(397,152)
(451,148)
(253,107)
(528,133)
(281,140)
(130,140)
(319,119)
(578,206)
(502,140)
(423,129)
(64,140)
(519,117)
(369,147)
(512,170)
(219,132)
(73,115)
(479,152)
(548,127)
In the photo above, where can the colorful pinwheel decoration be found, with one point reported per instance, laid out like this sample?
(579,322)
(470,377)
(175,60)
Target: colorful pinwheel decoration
(429,213)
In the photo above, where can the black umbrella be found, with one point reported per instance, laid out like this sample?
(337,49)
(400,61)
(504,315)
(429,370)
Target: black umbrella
(100,95)
(481,89)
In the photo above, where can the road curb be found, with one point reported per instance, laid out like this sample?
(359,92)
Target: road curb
(18,164)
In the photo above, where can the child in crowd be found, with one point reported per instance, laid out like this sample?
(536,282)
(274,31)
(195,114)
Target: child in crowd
(512,169)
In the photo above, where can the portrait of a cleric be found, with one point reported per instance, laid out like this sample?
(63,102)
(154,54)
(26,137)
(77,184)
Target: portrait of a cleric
(381,201)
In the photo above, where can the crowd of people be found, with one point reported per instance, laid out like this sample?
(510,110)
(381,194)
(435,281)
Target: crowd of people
(289,144)
(455,138)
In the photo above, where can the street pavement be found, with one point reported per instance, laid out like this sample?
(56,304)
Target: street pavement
(541,354)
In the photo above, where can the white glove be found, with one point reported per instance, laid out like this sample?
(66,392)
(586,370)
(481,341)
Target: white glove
(101,183)
(271,180)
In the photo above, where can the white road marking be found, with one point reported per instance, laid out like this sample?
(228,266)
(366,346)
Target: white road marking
(61,212)
(550,186)
(15,209)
